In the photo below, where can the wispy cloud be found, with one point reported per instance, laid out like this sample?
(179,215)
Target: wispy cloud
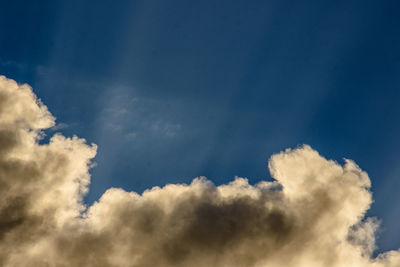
(165,128)
(59,126)
(127,114)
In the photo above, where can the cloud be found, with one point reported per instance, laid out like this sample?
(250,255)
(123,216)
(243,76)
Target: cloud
(59,126)
(311,215)
(165,128)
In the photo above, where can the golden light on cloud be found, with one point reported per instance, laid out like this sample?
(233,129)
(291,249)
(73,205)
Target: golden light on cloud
(312,215)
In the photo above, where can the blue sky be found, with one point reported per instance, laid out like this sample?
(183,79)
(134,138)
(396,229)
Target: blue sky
(171,90)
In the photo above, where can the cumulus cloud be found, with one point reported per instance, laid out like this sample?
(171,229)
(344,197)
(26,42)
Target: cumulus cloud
(311,215)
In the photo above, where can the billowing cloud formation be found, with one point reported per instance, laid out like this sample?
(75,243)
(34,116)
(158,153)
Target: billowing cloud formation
(312,215)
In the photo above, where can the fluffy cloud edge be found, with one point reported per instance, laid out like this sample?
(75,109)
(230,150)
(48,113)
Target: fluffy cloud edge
(313,214)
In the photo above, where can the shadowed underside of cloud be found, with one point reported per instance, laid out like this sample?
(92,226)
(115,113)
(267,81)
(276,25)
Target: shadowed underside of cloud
(312,215)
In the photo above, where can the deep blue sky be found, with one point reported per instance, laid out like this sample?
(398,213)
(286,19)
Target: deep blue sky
(171,90)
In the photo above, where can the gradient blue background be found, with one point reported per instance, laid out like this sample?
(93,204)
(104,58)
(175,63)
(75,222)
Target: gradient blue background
(171,90)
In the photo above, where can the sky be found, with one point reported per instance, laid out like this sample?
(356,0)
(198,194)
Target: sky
(173,90)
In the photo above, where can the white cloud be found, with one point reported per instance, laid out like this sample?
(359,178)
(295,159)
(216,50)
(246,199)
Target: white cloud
(312,215)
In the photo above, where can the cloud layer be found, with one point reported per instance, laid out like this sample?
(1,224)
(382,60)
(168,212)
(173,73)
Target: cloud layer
(311,215)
